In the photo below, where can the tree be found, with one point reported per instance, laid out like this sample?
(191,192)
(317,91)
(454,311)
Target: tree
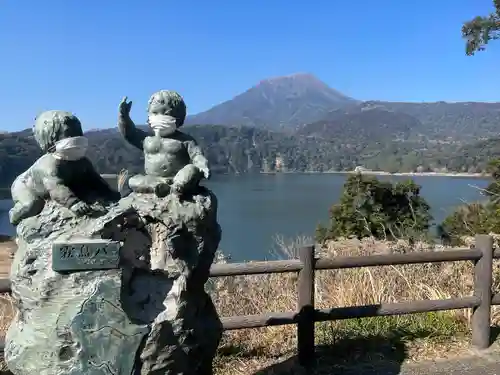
(479,31)
(372,208)
(493,189)
(475,218)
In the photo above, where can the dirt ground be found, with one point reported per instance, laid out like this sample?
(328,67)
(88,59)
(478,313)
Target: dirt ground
(7,246)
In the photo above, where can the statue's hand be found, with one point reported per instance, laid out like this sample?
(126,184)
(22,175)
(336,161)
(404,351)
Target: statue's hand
(206,172)
(124,107)
(177,189)
(81,208)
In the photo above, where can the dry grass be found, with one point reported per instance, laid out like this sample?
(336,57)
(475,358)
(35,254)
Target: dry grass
(408,338)
(6,306)
(7,311)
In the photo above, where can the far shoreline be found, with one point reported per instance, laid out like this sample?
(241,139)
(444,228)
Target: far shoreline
(407,174)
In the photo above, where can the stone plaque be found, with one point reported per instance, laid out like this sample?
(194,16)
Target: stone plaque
(85,255)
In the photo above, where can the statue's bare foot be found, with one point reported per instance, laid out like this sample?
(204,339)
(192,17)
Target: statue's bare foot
(81,208)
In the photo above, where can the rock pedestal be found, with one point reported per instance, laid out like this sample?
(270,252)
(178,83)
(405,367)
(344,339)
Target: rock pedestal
(149,316)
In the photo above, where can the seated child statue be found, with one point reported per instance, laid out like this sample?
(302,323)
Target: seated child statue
(173,161)
(63,174)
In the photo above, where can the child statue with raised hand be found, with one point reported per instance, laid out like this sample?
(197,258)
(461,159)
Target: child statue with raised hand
(173,161)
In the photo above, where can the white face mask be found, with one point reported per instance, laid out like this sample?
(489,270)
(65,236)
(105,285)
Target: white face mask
(162,125)
(73,148)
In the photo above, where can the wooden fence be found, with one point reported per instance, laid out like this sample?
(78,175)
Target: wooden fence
(306,315)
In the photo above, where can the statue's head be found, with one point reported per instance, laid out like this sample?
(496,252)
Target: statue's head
(52,127)
(168,103)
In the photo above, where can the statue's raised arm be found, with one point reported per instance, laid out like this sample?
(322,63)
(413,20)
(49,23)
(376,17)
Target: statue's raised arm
(130,132)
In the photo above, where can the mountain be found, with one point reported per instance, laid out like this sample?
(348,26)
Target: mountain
(461,121)
(291,102)
(277,103)
(363,123)
(297,123)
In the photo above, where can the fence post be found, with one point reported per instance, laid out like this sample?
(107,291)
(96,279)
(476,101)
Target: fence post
(305,325)
(483,275)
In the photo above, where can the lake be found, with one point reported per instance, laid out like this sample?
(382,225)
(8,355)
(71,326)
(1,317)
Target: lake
(254,209)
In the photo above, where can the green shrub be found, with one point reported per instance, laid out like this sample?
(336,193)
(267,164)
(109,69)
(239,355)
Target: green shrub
(369,207)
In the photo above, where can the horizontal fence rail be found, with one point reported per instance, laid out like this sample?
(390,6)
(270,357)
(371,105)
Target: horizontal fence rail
(306,315)
(295,265)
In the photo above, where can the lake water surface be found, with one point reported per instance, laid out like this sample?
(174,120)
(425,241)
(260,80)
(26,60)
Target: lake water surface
(254,209)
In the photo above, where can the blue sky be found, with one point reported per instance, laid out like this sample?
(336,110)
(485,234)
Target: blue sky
(83,56)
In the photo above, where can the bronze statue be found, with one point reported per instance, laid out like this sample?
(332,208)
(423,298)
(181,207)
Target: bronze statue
(63,174)
(173,161)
